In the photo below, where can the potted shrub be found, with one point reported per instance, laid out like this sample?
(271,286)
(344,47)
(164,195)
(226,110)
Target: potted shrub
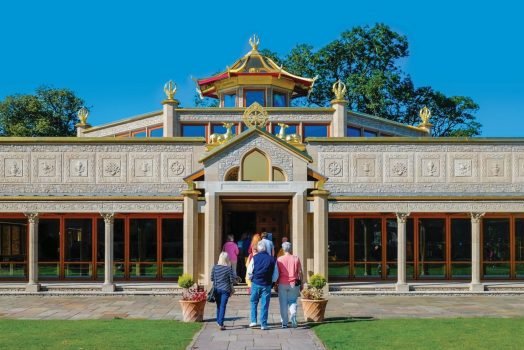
(313,302)
(193,299)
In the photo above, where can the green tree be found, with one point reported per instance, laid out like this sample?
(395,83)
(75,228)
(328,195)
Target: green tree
(368,60)
(47,112)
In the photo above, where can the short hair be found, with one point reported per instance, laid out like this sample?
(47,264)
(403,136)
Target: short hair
(284,239)
(223,259)
(230,238)
(261,247)
(264,234)
(287,247)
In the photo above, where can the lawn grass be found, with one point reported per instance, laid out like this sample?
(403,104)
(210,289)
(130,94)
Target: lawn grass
(96,334)
(414,334)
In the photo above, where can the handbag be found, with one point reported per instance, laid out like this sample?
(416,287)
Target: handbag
(211,294)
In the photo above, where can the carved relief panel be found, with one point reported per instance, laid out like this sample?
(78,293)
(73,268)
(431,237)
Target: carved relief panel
(518,167)
(463,167)
(14,167)
(335,166)
(176,166)
(79,167)
(398,167)
(367,167)
(46,167)
(430,167)
(144,167)
(495,167)
(111,167)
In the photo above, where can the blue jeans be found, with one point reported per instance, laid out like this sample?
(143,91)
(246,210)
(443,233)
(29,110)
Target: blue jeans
(287,297)
(221,297)
(263,293)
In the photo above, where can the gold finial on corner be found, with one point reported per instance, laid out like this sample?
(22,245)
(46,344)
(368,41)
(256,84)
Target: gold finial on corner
(82,114)
(254,41)
(339,89)
(170,89)
(425,115)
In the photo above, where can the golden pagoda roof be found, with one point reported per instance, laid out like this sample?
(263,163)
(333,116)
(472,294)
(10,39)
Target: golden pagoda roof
(254,65)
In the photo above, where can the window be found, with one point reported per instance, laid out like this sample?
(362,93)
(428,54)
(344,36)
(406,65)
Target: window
(278,175)
(255,167)
(230,100)
(139,133)
(368,247)
(13,234)
(221,129)
(172,247)
(496,252)
(78,250)
(143,248)
(279,99)
(432,247)
(315,130)
(338,247)
(369,133)
(193,130)
(158,132)
(232,174)
(354,132)
(252,96)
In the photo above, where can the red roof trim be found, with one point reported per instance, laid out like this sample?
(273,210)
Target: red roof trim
(225,75)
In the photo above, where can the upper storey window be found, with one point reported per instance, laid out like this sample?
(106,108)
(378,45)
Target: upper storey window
(230,100)
(315,130)
(252,96)
(279,99)
(193,130)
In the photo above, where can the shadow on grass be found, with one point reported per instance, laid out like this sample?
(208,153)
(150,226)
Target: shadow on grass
(333,320)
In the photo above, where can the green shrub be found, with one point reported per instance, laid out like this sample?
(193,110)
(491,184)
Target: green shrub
(317,281)
(185,281)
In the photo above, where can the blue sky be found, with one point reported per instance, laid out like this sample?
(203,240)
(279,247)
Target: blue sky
(117,55)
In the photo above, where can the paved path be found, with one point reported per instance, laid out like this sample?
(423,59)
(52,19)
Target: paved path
(237,335)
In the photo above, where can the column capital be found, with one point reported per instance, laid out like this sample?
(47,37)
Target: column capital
(109,218)
(402,217)
(475,217)
(32,217)
(190,193)
(320,193)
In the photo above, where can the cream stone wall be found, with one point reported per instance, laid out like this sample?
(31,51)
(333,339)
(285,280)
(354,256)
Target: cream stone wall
(96,169)
(420,169)
(119,127)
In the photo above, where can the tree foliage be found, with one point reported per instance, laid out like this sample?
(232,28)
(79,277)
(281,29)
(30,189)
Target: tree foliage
(368,60)
(47,112)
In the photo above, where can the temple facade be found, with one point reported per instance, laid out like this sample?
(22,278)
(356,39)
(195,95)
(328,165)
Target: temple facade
(359,197)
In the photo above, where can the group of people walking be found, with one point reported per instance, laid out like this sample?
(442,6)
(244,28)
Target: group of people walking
(264,271)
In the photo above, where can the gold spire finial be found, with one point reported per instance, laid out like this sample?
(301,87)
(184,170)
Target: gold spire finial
(254,41)
(339,89)
(82,114)
(425,114)
(170,90)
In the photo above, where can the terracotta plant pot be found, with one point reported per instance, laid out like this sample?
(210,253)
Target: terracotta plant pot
(192,311)
(314,309)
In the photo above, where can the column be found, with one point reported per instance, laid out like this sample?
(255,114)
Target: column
(298,227)
(210,236)
(32,261)
(109,220)
(170,120)
(190,231)
(476,285)
(402,285)
(339,125)
(320,232)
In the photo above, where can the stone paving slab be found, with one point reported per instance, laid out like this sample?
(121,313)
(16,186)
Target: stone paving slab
(237,334)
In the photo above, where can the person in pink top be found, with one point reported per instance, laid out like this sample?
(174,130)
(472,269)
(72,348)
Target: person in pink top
(289,284)
(231,248)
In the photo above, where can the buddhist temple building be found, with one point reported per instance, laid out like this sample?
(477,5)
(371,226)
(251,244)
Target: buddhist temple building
(360,197)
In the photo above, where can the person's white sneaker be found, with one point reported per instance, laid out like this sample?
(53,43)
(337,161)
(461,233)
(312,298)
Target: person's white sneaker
(264,328)
(252,325)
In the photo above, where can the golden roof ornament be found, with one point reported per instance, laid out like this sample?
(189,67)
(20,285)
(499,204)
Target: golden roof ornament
(255,116)
(170,90)
(425,115)
(339,89)
(82,114)
(254,41)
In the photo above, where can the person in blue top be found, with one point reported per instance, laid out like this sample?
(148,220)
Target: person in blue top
(263,273)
